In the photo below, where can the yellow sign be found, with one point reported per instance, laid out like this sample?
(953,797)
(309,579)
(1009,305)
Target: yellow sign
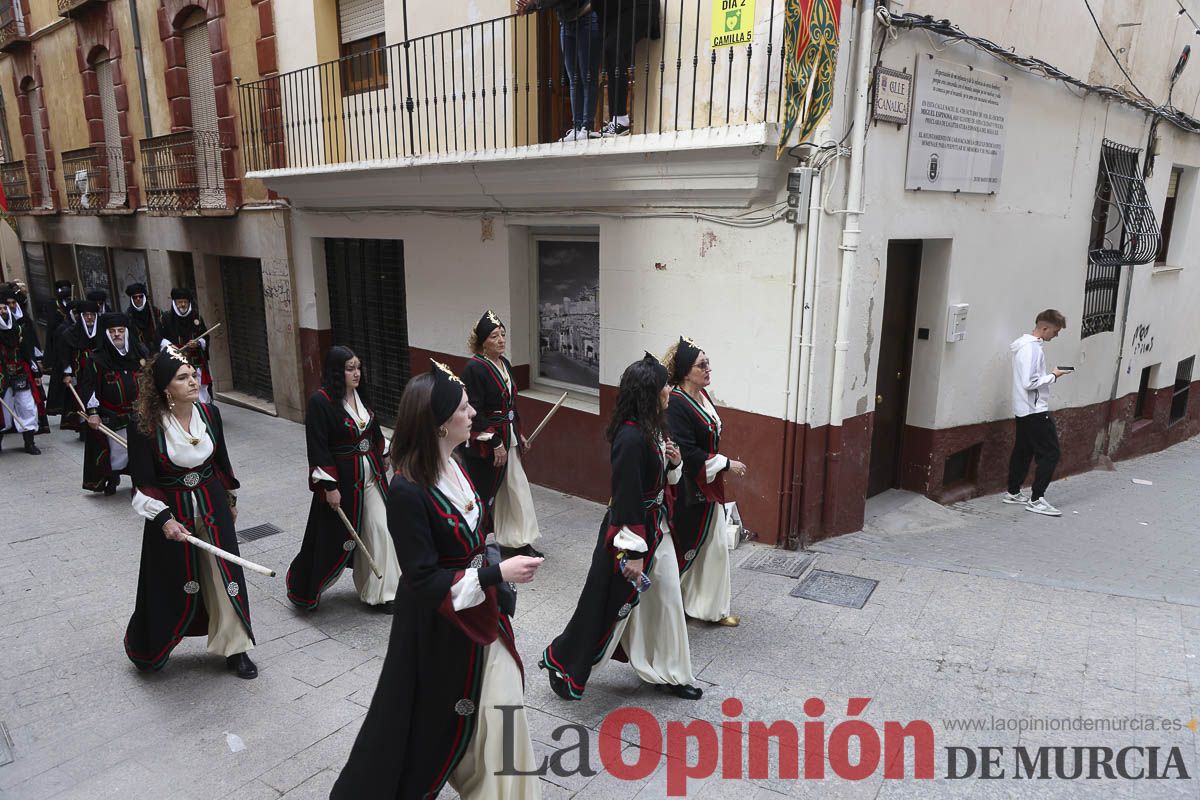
(732,22)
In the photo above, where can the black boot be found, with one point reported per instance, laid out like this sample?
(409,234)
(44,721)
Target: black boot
(30,447)
(241,663)
(110,486)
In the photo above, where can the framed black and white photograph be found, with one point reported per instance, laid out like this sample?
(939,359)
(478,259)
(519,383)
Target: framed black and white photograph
(568,311)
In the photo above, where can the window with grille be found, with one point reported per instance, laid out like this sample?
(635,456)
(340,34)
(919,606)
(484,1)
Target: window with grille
(1124,233)
(209,176)
(368,314)
(38,171)
(111,155)
(1183,385)
(1168,215)
(6,151)
(363,57)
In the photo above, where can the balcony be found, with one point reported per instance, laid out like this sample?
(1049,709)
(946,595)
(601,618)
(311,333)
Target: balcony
(497,90)
(184,173)
(67,8)
(95,180)
(14,31)
(16,187)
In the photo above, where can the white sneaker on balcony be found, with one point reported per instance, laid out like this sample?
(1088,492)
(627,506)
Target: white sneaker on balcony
(571,136)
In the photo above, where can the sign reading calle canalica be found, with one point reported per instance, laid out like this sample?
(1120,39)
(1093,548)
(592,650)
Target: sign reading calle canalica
(959,123)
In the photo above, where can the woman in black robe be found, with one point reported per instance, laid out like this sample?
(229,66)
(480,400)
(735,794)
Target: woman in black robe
(494,454)
(613,618)
(346,471)
(698,522)
(109,389)
(183,483)
(451,659)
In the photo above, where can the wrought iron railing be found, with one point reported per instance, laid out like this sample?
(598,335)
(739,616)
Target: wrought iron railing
(16,187)
(68,7)
(95,179)
(185,171)
(13,28)
(501,83)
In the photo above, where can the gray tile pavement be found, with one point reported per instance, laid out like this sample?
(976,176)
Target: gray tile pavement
(982,612)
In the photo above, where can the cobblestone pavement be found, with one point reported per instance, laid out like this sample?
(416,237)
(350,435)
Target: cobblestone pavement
(982,612)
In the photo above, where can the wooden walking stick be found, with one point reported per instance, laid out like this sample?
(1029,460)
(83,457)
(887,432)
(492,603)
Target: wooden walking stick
(225,555)
(10,411)
(546,419)
(354,535)
(107,431)
(201,336)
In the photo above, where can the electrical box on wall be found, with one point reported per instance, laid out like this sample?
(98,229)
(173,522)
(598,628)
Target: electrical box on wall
(956,322)
(799,186)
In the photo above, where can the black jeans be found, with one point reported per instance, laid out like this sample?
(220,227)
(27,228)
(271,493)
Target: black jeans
(1037,440)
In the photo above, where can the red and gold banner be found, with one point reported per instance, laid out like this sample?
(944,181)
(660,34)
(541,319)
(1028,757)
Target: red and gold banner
(810,46)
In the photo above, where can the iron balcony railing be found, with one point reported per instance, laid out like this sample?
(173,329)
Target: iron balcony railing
(13,28)
(95,179)
(501,83)
(67,7)
(16,187)
(185,172)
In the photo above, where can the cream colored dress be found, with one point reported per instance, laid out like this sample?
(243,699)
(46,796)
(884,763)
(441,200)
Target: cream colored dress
(706,586)
(516,520)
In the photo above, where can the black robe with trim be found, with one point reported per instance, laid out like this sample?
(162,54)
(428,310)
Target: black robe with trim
(146,325)
(168,605)
(698,438)
(57,358)
(179,331)
(112,377)
(426,705)
(495,413)
(18,371)
(79,350)
(639,502)
(334,445)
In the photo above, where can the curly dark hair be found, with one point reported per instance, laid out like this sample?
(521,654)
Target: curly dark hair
(333,377)
(637,402)
(151,404)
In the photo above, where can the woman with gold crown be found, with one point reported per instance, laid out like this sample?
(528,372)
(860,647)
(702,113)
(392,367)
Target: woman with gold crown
(698,519)
(184,484)
(449,706)
(494,454)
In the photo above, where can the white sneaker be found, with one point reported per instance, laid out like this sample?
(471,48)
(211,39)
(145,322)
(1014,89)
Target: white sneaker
(1018,499)
(570,136)
(1042,507)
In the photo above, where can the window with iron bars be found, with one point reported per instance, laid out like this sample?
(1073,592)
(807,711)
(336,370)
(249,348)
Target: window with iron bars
(1124,233)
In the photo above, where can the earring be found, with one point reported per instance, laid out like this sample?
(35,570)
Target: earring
(443,433)
(170,402)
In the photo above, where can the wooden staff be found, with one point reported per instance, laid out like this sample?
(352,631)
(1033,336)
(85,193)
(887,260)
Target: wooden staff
(230,557)
(201,336)
(354,535)
(109,432)
(10,411)
(546,419)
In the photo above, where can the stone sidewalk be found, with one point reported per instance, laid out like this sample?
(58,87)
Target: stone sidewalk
(982,612)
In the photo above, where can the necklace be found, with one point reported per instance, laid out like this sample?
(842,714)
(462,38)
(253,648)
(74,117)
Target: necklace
(466,490)
(192,440)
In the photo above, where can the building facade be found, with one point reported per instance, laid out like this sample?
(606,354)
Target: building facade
(122,164)
(858,320)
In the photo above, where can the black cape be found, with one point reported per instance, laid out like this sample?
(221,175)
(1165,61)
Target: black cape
(495,413)
(112,377)
(146,325)
(168,605)
(425,708)
(180,330)
(18,370)
(696,500)
(336,446)
(639,502)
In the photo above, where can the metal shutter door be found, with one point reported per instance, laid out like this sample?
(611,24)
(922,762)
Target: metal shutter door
(358,19)
(43,175)
(245,313)
(112,135)
(210,179)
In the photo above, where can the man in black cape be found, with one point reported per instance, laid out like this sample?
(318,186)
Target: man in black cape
(182,326)
(109,390)
(144,319)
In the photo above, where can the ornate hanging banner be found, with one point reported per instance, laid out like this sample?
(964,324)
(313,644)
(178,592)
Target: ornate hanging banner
(810,45)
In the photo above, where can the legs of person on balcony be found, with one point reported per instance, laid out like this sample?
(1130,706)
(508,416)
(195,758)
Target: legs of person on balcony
(580,40)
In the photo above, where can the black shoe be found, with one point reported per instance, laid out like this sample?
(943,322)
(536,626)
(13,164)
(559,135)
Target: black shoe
(386,607)
(683,691)
(557,684)
(528,550)
(30,447)
(614,128)
(243,665)
(110,486)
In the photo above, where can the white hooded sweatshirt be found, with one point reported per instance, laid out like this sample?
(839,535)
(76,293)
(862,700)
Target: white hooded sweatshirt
(1031,381)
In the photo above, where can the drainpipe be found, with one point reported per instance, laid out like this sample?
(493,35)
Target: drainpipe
(141,67)
(1105,460)
(804,418)
(791,402)
(849,249)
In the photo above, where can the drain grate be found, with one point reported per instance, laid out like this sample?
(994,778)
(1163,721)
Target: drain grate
(836,589)
(776,562)
(6,754)
(258,532)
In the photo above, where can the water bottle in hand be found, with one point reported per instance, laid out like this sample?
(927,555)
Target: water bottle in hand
(643,581)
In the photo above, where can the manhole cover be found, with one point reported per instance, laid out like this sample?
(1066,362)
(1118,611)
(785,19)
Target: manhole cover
(778,562)
(849,591)
(6,755)
(258,532)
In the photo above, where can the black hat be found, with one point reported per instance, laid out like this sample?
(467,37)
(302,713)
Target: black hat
(660,372)
(7,294)
(62,285)
(166,364)
(98,296)
(114,319)
(181,293)
(447,392)
(135,288)
(82,306)
(487,323)
(686,353)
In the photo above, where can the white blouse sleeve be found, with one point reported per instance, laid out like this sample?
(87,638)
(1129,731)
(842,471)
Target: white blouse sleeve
(319,474)
(628,540)
(467,593)
(714,466)
(146,506)
(674,473)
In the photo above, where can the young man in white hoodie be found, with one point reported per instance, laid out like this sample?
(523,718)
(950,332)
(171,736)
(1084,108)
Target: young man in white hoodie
(1037,438)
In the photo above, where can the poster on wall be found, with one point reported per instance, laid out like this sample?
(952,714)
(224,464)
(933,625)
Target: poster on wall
(959,124)
(568,285)
(93,269)
(130,267)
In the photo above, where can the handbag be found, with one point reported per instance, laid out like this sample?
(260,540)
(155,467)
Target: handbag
(506,592)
